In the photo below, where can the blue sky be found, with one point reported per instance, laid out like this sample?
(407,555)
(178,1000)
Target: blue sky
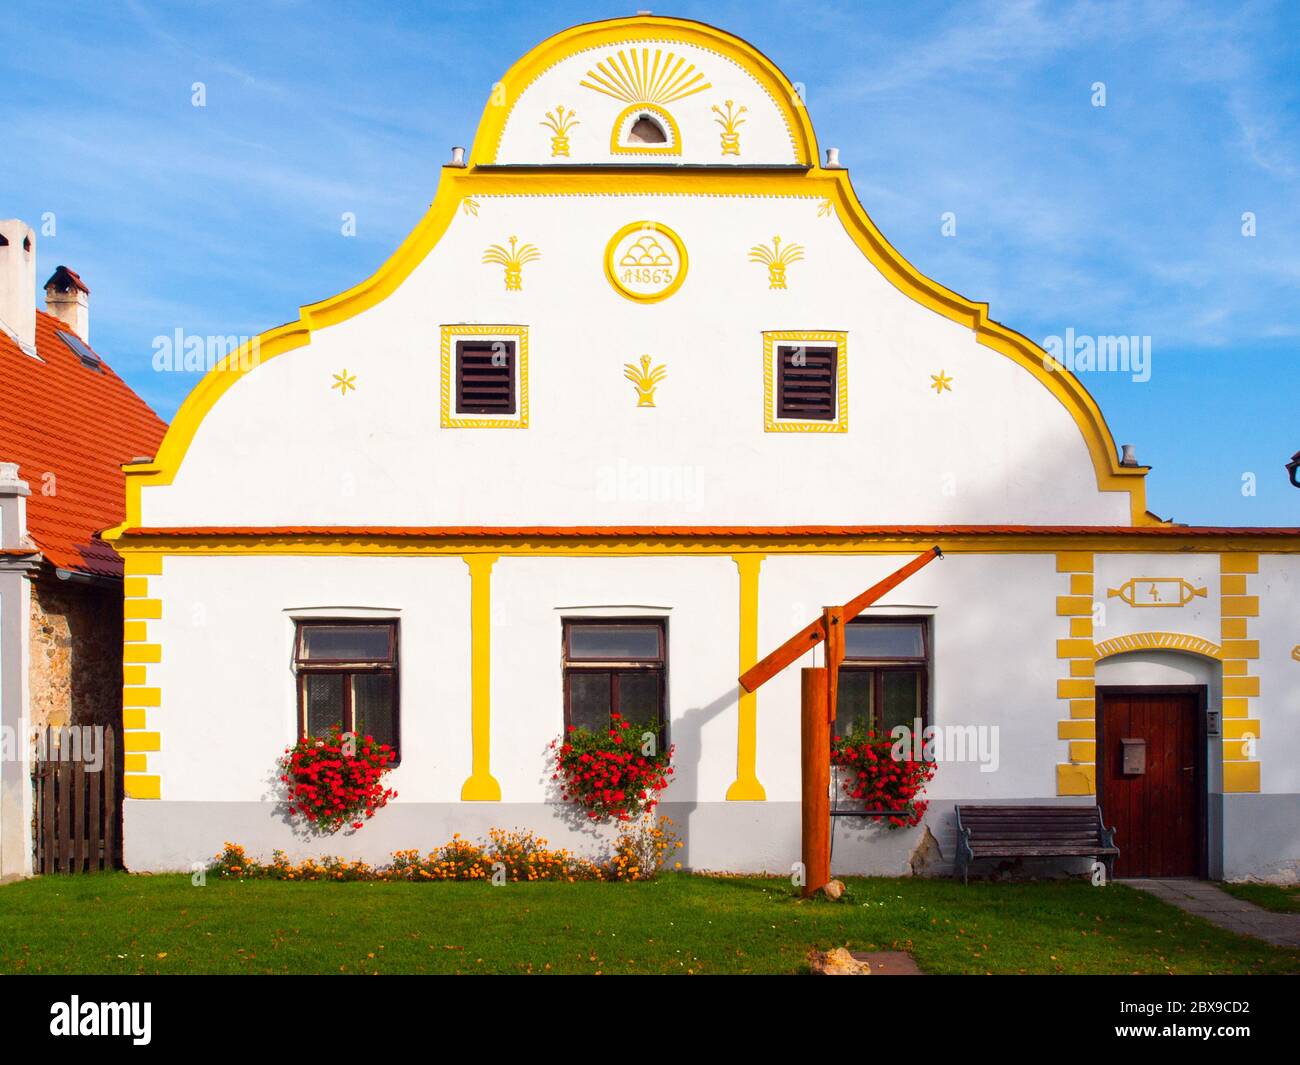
(1116,220)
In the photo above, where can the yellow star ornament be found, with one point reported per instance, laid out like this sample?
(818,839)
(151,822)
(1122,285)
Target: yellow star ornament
(343,381)
(941,381)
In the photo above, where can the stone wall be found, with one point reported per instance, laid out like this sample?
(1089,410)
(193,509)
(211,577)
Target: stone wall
(76,653)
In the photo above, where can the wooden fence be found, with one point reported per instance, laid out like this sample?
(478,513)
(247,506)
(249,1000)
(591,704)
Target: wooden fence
(78,805)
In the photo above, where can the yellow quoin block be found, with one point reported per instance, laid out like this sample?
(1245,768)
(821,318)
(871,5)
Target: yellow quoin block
(1248,686)
(138,587)
(1076,779)
(1081,584)
(1234,628)
(141,652)
(1082,627)
(142,565)
(1236,750)
(1083,708)
(135,631)
(1076,688)
(1075,649)
(138,786)
(1076,730)
(1083,751)
(1233,584)
(1074,562)
(133,717)
(133,674)
(141,741)
(1241,606)
(142,697)
(1082,667)
(135,763)
(1238,707)
(1238,563)
(1240,776)
(146,609)
(1074,605)
(1240,648)
(1240,728)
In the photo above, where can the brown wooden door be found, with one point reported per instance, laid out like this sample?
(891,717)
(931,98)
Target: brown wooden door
(1156,814)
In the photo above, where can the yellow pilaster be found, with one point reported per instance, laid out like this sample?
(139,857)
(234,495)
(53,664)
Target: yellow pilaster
(481,785)
(746,785)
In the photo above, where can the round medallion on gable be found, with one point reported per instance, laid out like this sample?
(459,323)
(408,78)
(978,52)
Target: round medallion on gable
(645,262)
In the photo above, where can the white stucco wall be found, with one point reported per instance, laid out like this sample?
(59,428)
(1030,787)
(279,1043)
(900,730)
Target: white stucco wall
(282,447)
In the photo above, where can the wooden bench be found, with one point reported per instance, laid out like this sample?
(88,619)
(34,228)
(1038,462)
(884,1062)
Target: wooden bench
(1033,832)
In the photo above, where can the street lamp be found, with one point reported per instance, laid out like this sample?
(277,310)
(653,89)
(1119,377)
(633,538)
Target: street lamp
(1293,468)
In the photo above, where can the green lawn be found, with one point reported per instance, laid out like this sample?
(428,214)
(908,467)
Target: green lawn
(115,923)
(1270,896)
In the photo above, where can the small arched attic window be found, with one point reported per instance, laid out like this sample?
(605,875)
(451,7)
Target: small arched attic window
(645,130)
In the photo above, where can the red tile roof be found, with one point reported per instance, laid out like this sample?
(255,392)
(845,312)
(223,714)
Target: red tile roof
(61,417)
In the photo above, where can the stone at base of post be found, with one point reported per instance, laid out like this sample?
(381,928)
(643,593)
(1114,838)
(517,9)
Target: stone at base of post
(815,760)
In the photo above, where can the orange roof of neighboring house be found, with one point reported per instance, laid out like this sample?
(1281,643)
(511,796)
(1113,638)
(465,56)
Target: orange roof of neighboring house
(70,428)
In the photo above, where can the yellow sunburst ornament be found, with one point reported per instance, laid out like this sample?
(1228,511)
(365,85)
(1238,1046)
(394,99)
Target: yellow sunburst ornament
(343,381)
(941,383)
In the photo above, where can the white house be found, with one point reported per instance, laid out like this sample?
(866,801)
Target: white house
(467,477)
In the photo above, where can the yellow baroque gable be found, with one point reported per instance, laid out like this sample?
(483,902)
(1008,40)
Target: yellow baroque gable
(480,181)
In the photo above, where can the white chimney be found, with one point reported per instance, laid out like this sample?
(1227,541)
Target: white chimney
(18,283)
(67,297)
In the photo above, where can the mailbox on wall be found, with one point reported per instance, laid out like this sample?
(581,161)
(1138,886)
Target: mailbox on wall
(1135,757)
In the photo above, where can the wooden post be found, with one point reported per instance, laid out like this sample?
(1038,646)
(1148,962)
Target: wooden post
(815,748)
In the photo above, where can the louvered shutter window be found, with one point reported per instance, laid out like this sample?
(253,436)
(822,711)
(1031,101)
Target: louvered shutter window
(485,376)
(805,387)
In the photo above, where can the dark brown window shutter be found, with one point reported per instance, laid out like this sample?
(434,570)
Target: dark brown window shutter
(485,376)
(805,383)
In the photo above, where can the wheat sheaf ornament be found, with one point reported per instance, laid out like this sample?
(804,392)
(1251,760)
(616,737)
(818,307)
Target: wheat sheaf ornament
(776,259)
(514,259)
